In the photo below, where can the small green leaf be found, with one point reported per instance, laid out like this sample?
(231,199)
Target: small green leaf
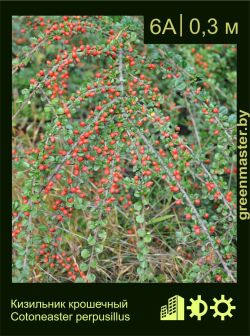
(181,86)
(84,267)
(85,253)
(25,92)
(140,244)
(141,232)
(140,219)
(43,228)
(147,238)
(80,280)
(223,110)
(144,264)
(102,234)
(160,219)
(19,263)
(91,277)
(91,240)
(93,263)
(99,248)
(137,206)
(25,164)
(232,119)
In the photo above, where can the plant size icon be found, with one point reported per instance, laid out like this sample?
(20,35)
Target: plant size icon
(175,310)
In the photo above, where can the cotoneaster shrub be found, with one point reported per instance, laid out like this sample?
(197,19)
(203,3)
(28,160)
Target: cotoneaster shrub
(124,163)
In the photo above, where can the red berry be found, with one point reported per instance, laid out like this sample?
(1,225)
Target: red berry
(197,229)
(212,229)
(188,216)
(218,278)
(58,177)
(197,202)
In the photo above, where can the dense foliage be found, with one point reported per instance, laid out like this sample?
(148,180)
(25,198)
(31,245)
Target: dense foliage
(124,163)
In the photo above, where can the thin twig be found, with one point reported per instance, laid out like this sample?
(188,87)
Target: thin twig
(18,66)
(211,178)
(194,123)
(38,85)
(50,275)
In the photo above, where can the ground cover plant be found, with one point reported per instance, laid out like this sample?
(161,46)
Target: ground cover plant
(124,154)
